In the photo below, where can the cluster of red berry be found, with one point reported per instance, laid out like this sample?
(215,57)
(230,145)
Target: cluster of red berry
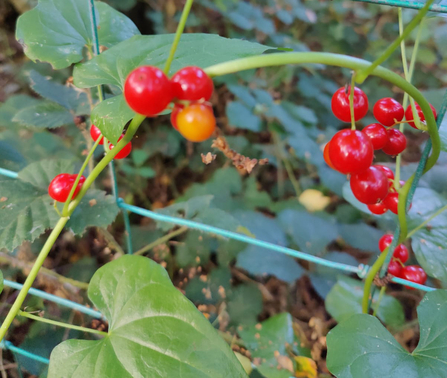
(413,273)
(148,91)
(352,151)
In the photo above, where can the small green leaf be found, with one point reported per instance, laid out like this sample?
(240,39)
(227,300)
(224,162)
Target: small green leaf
(310,233)
(209,290)
(111,115)
(45,114)
(272,338)
(60,39)
(242,117)
(362,347)
(345,300)
(68,97)
(244,304)
(9,109)
(203,50)
(154,331)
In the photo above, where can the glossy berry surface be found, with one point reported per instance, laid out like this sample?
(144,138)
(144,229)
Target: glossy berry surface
(378,208)
(192,84)
(147,90)
(409,114)
(369,186)
(126,150)
(397,142)
(196,122)
(95,133)
(388,111)
(340,104)
(377,135)
(385,241)
(414,273)
(395,268)
(391,201)
(401,253)
(174,114)
(326,156)
(350,151)
(388,172)
(60,187)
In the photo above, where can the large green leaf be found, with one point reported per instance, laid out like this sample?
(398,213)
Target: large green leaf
(27,210)
(203,50)
(56,31)
(345,300)
(429,243)
(362,347)
(154,331)
(10,108)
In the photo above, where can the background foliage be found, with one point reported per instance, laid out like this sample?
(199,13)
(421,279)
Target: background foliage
(280,309)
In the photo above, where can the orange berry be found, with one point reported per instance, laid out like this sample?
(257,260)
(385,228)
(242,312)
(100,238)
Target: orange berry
(196,122)
(327,159)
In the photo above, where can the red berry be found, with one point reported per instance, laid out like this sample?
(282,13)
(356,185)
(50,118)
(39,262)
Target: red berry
(388,172)
(377,135)
(395,268)
(388,111)
(396,142)
(391,201)
(414,273)
(369,186)
(61,185)
(95,133)
(385,241)
(177,109)
(148,90)
(350,151)
(192,84)
(409,114)
(401,253)
(340,104)
(125,150)
(378,208)
(326,156)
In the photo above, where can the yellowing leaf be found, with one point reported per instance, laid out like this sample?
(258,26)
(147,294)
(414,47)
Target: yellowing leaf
(245,362)
(313,200)
(305,367)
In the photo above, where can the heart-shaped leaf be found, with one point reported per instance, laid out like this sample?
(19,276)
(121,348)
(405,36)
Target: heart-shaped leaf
(154,331)
(362,347)
(57,31)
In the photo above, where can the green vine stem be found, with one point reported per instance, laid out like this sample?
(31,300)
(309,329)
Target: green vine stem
(351,101)
(81,171)
(60,324)
(178,34)
(363,74)
(161,240)
(279,59)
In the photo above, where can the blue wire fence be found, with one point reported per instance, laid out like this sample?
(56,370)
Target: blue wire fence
(361,270)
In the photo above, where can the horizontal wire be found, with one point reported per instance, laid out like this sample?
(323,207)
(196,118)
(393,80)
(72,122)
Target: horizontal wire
(10,346)
(439,8)
(54,298)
